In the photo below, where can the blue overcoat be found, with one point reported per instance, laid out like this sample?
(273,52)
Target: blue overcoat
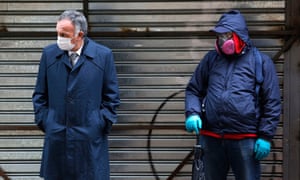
(75,108)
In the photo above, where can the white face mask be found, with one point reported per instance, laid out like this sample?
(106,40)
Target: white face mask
(65,43)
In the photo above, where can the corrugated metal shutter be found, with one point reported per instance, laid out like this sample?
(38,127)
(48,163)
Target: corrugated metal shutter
(157,45)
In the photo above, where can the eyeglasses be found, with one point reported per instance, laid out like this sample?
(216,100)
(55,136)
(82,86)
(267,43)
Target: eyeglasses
(224,36)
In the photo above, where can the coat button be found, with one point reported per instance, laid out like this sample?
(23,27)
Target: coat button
(69,99)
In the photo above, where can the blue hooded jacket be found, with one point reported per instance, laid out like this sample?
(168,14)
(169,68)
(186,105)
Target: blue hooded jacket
(225,86)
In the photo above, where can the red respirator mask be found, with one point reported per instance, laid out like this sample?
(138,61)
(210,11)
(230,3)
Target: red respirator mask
(229,43)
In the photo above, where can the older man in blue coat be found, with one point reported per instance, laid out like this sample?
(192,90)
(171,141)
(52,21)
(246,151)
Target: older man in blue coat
(75,101)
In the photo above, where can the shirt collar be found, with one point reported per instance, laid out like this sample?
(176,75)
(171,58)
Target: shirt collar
(78,51)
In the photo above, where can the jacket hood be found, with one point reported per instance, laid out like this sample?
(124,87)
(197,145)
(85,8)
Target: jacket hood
(233,21)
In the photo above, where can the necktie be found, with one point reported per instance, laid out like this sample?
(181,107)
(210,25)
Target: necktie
(73,57)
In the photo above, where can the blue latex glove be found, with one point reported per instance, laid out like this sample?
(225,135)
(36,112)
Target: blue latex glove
(193,123)
(261,149)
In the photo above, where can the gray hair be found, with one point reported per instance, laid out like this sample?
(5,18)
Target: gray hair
(77,18)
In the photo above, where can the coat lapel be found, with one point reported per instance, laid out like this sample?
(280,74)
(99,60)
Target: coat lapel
(88,52)
(66,61)
(79,62)
(63,56)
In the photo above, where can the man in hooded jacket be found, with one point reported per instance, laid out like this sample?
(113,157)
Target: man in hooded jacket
(237,122)
(75,101)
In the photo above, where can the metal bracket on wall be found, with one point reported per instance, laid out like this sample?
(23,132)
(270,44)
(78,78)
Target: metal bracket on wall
(287,45)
